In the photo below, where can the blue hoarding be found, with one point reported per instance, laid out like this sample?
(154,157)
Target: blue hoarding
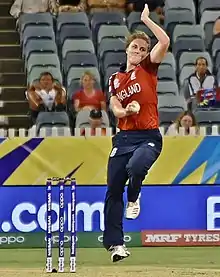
(23,208)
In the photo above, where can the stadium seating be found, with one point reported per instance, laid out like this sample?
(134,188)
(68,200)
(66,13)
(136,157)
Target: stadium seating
(75,42)
(50,119)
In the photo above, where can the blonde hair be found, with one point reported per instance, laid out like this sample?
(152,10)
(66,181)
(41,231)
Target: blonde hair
(88,73)
(138,35)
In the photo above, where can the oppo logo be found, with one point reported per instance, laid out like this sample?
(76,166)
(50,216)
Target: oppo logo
(127,238)
(11,240)
(55,239)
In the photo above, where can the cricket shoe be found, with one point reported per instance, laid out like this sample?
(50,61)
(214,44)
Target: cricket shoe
(118,253)
(133,209)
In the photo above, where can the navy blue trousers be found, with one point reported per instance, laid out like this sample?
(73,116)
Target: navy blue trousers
(133,153)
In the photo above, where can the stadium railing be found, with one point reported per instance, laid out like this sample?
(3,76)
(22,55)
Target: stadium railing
(203,131)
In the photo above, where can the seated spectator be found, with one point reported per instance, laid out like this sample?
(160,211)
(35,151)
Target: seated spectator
(72,5)
(106,5)
(216,27)
(33,6)
(89,97)
(185,120)
(156,8)
(95,121)
(201,79)
(45,95)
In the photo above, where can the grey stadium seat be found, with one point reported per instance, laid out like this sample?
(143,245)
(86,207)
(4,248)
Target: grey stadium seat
(110,45)
(75,73)
(169,108)
(189,58)
(42,60)
(180,5)
(185,72)
(215,46)
(39,46)
(142,28)
(36,71)
(171,101)
(188,31)
(207,117)
(188,45)
(74,32)
(208,16)
(218,77)
(169,60)
(113,60)
(65,18)
(82,119)
(38,33)
(166,73)
(167,87)
(106,18)
(106,31)
(134,23)
(207,21)
(133,19)
(49,119)
(174,17)
(79,59)
(85,45)
(209,5)
(217,61)
(40,19)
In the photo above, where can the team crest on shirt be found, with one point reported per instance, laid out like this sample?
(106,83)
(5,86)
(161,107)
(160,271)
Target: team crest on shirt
(133,76)
(116,83)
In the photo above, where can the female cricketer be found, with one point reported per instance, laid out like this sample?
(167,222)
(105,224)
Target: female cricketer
(138,144)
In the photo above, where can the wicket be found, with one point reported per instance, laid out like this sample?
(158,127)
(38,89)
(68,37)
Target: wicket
(49,239)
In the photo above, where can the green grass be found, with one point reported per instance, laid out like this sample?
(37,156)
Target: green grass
(152,262)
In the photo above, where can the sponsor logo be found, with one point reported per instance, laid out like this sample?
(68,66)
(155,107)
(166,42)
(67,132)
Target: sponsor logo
(213,213)
(28,217)
(126,93)
(127,238)
(180,238)
(11,240)
(133,76)
(55,239)
(116,83)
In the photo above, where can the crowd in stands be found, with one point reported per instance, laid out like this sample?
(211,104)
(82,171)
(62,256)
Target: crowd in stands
(72,47)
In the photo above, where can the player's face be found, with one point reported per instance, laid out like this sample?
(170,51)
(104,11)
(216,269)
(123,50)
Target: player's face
(186,121)
(87,82)
(46,82)
(137,51)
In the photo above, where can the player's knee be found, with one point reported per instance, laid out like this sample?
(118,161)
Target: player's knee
(137,170)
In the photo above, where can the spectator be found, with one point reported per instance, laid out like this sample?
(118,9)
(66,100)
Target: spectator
(185,120)
(216,27)
(89,97)
(95,120)
(201,79)
(45,95)
(155,8)
(106,5)
(33,6)
(72,5)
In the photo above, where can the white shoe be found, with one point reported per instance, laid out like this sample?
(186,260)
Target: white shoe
(118,253)
(133,209)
